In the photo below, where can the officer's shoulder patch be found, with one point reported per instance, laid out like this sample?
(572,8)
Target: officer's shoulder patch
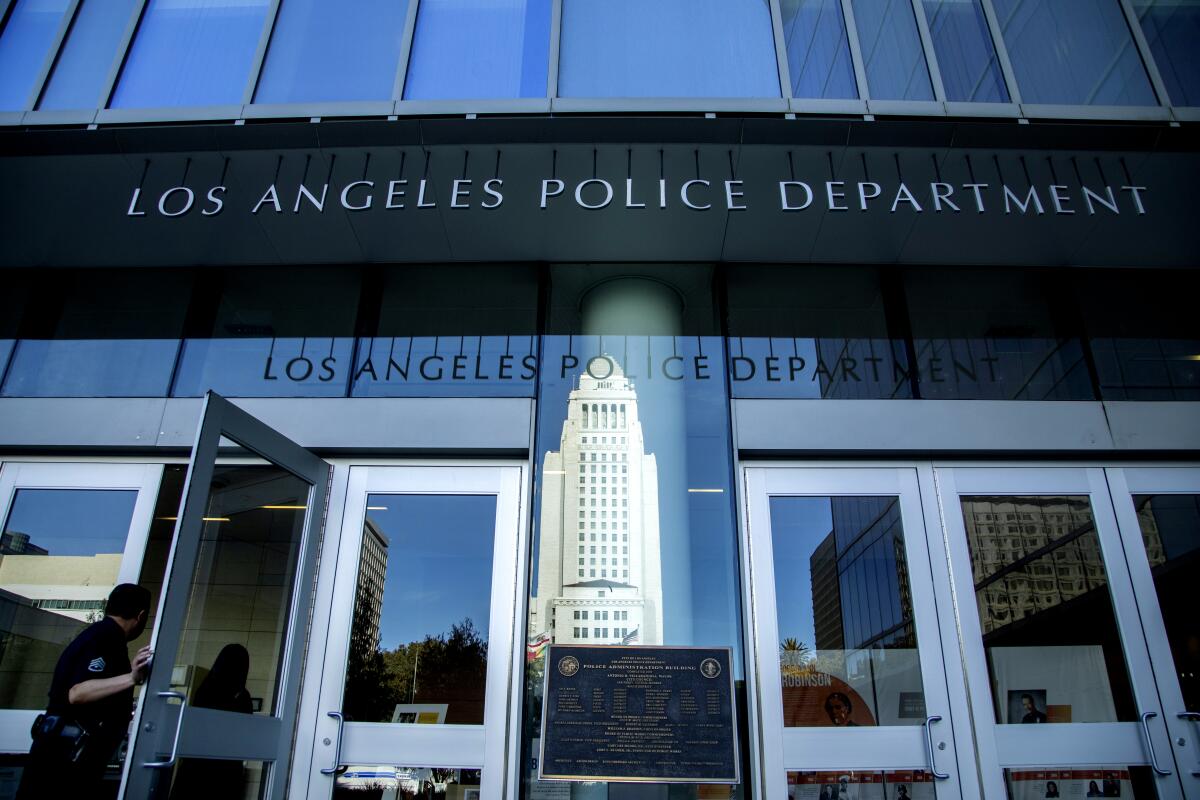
(96,665)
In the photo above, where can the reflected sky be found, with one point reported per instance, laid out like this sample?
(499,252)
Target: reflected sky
(798,526)
(439,563)
(73,522)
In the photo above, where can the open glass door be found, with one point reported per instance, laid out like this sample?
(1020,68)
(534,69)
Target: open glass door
(1158,511)
(419,665)
(219,710)
(1063,695)
(854,697)
(70,533)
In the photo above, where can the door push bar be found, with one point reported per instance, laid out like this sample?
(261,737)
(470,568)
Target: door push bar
(1146,716)
(929,741)
(337,750)
(170,762)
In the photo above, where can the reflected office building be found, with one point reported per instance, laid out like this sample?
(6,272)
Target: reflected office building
(600,567)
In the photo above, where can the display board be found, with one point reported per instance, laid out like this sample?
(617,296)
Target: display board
(654,714)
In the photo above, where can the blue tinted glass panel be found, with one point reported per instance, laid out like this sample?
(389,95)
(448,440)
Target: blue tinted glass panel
(24,45)
(467,49)
(91,368)
(891,50)
(670,48)
(265,367)
(965,53)
(191,53)
(446,366)
(91,46)
(1172,30)
(817,50)
(1076,53)
(322,51)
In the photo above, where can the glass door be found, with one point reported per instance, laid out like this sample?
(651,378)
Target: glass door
(420,665)
(854,700)
(218,712)
(71,532)
(1158,511)
(1062,692)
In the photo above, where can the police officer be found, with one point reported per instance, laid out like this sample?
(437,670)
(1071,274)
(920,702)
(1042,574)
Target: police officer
(91,701)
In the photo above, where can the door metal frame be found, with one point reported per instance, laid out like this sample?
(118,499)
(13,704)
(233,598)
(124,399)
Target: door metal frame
(323,737)
(258,738)
(905,747)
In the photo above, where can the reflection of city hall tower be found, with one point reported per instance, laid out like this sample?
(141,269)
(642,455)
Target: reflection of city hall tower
(600,573)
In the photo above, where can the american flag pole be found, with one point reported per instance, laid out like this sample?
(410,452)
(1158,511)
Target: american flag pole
(630,637)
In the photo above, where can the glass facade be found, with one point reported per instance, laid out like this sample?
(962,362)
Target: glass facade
(891,50)
(191,53)
(198,53)
(468,50)
(673,48)
(1078,53)
(323,52)
(86,57)
(818,51)
(25,44)
(790,331)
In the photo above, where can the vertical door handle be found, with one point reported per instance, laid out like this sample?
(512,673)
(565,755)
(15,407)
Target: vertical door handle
(170,762)
(337,748)
(1146,716)
(1191,716)
(929,741)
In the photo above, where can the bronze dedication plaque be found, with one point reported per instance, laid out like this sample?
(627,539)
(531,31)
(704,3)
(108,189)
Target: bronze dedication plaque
(649,714)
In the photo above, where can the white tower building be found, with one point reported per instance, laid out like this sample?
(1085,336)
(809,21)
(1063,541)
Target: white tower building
(599,566)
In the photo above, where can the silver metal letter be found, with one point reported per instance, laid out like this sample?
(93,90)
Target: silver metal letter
(783,195)
(271,196)
(833,196)
(346,196)
(730,194)
(546,193)
(217,202)
(683,195)
(1058,200)
(137,192)
(162,201)
(493,192)
(863,197)
(608,194)
(460,188)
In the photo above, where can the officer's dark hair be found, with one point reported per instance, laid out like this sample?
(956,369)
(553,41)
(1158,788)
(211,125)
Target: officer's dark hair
(127,601)
(840,696)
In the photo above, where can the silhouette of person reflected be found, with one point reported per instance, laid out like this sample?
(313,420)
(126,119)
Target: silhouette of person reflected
(223,689)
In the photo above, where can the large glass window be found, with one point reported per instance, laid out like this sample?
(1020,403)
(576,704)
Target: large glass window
(633,394)
(813,332)
(994,335)
(273,333)
(419,641)
(671,48)
(1077,53)
(60,555)
(1172,28)
(966,56)
(891,50)
(848,641)
(818,52)
(88,54)
(322,51)
(24,46)
(1049,632)
(465,49)
(191,53)
(100,333)
(450,331)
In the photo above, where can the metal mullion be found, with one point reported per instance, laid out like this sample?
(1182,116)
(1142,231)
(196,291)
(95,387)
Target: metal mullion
(555,49)
(260,55)
(1006,69)
(64,27)
(931,63)
(4,16)
(1143,48)
(410,30)
(118,64)
(860,68)
(785,76)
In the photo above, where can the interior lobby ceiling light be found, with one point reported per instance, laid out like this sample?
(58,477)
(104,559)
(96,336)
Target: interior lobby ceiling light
(705,491)
(284,508)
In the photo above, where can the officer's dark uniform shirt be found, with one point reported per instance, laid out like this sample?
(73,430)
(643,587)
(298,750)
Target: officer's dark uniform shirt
(99,652)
